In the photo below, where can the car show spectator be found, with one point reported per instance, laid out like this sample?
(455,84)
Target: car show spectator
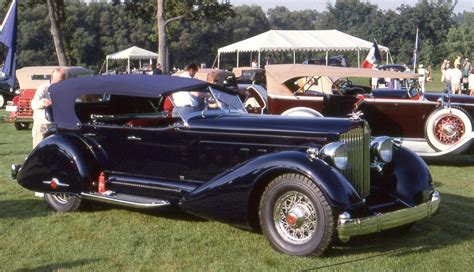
(40,101)
(157,69)
(455,76)
(444,67)
(466,71)
(457,61)
(447,76)
(182,99)
(422,78)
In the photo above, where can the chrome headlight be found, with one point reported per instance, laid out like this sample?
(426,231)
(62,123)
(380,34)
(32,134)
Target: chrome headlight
(382,148)
(335,154)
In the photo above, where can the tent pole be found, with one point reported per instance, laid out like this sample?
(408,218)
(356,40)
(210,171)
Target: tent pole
(386,61)
(218,60)
(106,65)
(258,59)
(327,58)
(358,57)
(128,65)
(294,57)
(237,58)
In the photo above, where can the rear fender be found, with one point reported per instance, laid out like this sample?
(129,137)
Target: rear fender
(59,164)
(228,197)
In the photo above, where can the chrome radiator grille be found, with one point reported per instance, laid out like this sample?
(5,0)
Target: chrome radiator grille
(358,168)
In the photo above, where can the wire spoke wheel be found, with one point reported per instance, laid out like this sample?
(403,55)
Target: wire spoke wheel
(449,129)
(295,217)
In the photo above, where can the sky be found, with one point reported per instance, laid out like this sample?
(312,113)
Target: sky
(320,5)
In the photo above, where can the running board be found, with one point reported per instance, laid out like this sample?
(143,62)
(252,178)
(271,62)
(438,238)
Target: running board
(127,200)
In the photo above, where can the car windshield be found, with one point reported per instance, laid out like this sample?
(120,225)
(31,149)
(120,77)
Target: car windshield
(205,102)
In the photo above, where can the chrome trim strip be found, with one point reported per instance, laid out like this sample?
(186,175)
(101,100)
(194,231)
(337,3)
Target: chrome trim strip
(127,203)
(348,227)
(297,97)
(399,101)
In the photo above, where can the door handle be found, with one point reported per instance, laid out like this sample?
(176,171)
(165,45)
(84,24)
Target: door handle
(134,138)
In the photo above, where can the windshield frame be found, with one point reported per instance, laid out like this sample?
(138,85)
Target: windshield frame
(210,112)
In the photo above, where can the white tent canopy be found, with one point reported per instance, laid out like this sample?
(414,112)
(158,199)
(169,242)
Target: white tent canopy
(300,40)
(131,53)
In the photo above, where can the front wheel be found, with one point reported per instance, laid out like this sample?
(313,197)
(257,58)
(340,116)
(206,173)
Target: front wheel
(295,216)
(446,127)
(63,202)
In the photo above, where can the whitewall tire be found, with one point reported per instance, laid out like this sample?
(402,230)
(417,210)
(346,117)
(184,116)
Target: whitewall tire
(445,128)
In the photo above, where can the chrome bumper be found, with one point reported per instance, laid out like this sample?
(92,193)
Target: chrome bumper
(348,227)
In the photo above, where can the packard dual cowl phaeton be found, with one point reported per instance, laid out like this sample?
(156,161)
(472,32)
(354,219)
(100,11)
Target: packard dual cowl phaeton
(158,141)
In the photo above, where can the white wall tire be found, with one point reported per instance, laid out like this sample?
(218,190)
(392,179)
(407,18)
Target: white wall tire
(302,112)
(445,128)
(2,101)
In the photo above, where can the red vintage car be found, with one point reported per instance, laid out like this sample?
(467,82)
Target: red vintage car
(434,124)
(29,79)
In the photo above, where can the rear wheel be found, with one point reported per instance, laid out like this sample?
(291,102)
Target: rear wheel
(295,216)
(447,127)
(21,125)
(63,202)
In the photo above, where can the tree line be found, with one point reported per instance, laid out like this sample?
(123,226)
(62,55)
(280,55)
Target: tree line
(92,30)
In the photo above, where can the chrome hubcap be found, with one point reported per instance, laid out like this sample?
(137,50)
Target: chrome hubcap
(449,129)
(294,216)
(62,198)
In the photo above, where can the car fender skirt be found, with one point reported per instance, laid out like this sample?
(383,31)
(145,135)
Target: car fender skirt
(229,196)
(58,164)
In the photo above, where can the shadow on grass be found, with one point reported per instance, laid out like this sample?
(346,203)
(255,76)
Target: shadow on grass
(23,209)
(59,266)
(451,226)
(454,160)
(172,212)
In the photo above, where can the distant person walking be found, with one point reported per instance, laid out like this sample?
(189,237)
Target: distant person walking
(444,67)
(466,72)
(40,101)
(447,76)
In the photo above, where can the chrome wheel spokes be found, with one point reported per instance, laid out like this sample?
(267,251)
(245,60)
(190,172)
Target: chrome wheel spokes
(61,198)
(295,217)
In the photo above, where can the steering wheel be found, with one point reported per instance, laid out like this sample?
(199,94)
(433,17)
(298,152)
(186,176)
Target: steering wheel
(342,85)
(413,91)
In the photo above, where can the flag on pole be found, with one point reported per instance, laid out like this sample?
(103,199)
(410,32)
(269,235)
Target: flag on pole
(416,51)
(8,38)
(373,57)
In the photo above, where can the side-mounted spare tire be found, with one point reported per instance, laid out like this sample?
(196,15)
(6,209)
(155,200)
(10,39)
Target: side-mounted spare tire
(295,216)
(446,127)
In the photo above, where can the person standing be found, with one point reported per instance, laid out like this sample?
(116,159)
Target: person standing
(182,99)
(447,76)
(40,101)
(466,71)
(157,69)
(456,77)
(422,78)
(457,61)
(443,70)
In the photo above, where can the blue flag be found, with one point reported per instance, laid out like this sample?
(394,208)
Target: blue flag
(8,38)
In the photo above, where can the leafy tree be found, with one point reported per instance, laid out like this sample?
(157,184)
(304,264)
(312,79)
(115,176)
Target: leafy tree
(460,38)
(282,18)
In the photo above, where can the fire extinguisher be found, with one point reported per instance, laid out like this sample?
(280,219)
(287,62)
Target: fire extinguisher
(101,183)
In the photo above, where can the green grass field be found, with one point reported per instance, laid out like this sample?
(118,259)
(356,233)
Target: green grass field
(32,237)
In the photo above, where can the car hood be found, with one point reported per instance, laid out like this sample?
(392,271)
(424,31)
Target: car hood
(275,124)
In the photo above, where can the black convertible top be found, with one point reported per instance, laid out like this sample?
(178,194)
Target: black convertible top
(64,93)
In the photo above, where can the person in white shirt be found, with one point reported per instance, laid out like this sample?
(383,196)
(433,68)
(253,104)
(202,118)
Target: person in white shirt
(182,99)
(40,101)
(422,78)
(456,76)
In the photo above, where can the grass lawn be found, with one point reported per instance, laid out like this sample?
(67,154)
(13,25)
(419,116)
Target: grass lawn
(32,237)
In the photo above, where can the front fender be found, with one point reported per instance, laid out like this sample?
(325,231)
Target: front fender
(407,176)
(228,197)
(64,158)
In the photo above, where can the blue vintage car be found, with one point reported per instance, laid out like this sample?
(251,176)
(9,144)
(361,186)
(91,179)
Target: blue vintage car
(157,141)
